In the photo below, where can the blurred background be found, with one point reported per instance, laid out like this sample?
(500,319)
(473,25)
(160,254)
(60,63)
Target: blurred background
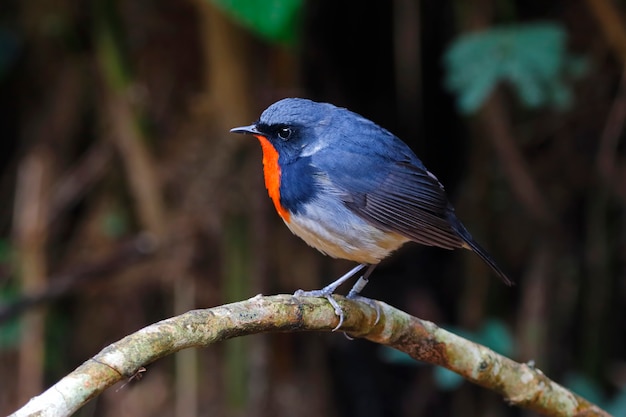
(125,200)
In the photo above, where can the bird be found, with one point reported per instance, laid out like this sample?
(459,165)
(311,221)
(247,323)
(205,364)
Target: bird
(352,190)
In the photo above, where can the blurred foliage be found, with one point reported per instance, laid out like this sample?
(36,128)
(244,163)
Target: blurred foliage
(58,329)
(532,58)
(584,386)
(9,48)
(9,330)
(273,20)
(446,380)
(591,390)
(6,252)
(616,406)
(116,223)
(9,292)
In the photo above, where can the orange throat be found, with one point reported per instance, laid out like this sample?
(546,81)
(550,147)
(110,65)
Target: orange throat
(271,172)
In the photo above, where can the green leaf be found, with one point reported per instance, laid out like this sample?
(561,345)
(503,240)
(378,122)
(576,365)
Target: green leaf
(585,387)
(396,357)
(617,406)
(532,58)
(273,20)
(10,329)
(496,336)
(446,379)
(9,334)
(115,223)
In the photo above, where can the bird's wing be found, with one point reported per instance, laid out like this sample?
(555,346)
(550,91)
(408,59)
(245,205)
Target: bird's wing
(396,195)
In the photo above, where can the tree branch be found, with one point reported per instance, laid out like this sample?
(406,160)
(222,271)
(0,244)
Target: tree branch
(519,384)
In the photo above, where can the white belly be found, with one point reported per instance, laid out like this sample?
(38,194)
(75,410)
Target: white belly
(330,227)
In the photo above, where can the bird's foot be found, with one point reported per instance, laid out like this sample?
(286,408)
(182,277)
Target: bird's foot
(327,295)
(327,292)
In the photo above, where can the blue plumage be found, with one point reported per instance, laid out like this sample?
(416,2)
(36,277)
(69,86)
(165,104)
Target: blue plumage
(297,187)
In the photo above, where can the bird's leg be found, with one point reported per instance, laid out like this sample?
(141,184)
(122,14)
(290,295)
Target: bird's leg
(361,283)
(328,290)
(354,293)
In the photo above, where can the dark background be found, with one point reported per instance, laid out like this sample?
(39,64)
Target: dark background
(125,201)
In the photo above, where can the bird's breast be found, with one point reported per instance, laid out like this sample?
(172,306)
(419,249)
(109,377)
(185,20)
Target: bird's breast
(272,174)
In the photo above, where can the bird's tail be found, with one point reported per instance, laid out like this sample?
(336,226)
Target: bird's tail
(473,245)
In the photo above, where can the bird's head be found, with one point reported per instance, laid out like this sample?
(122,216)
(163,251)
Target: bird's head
(294,127)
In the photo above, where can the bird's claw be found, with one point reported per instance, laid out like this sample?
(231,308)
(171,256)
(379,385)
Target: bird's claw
(328,291)
(338,311)
(331,300)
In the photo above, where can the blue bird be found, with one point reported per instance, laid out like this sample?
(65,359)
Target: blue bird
(352,189)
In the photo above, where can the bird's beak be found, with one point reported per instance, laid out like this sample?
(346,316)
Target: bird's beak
(246,130)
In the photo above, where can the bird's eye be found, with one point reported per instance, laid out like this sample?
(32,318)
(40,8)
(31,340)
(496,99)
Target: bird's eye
(284,133)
